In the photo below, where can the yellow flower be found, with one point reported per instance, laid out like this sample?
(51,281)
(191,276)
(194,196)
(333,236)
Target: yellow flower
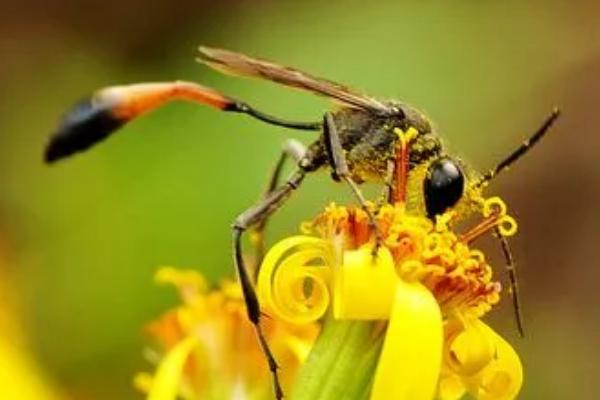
(21,377)
(209,348)
(425,279)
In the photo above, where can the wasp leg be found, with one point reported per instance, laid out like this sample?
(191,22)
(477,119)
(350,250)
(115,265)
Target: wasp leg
(387,192)
(339,164)
(291,149)
(251,217)
(97,117)
(511,269)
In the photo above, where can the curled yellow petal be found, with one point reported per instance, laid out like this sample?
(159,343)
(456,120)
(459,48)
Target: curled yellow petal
(364,286)
(410,361)
(293,279)
(502,378)
(470,350)
(165,385)
(479,361)
(451,387)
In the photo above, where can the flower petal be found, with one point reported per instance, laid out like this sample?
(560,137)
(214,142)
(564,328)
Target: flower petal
(451,387)
(470,349)
(479,361)
(165,385)
(503,377)
(410,362)
(289,268)
(364,287)
(20,378)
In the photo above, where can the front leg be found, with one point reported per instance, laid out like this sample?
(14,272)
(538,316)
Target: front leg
(251,217)
(337,159)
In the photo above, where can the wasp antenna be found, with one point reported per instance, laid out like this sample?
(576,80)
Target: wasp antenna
(522,149)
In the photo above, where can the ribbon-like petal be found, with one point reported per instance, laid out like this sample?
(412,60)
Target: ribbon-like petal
(410,362)
(364,286)
(479,361)
(293,279)
(165,385)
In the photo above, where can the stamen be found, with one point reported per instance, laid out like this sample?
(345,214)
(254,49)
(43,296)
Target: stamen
(458,276)
(402,162)
(494,211)
(484,226)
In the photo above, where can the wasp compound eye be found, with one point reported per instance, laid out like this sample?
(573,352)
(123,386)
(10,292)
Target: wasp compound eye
(443,186)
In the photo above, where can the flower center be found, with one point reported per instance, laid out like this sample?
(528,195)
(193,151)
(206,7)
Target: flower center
(458,276)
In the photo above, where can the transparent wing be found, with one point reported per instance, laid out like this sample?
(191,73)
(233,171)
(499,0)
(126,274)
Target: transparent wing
(239,64)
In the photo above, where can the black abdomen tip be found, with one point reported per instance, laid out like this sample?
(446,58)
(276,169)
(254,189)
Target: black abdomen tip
(83,126)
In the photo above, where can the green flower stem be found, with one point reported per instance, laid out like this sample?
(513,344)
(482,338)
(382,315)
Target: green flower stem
(342,362)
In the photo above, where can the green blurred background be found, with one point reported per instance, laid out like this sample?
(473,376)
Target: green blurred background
(83,238)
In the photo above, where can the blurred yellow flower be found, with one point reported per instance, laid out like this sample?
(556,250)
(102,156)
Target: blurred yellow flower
(208,348)
(20,376)
(431,286)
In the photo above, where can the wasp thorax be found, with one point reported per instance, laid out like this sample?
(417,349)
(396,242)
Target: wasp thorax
(423,148)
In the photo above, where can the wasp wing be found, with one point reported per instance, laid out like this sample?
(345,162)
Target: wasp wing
(239,64)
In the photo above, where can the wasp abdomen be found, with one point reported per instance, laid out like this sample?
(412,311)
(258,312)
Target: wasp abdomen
(86,124)
(94,119)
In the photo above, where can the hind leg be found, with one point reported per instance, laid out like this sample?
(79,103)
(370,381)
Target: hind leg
(291,149)
(250,218)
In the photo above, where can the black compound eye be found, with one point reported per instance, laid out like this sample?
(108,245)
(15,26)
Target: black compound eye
(443,186)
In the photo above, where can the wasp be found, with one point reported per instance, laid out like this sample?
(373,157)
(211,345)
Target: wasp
(356,143)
